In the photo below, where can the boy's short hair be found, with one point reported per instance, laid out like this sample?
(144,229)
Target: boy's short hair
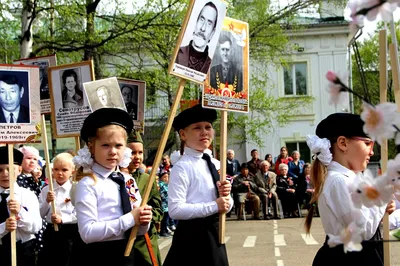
(18,156)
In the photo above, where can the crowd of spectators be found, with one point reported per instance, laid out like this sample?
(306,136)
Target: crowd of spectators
(266,185)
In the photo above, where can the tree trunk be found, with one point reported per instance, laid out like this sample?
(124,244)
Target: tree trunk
(26,28)
(90,52)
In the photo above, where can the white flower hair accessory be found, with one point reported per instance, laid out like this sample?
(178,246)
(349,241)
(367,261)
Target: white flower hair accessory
(84,159)
(320,147)
(126,160)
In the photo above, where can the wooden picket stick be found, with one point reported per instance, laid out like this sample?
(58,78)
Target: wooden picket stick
(222,170)
(157,159)
(48,170)
(383,77)
(77,144)
(12,179)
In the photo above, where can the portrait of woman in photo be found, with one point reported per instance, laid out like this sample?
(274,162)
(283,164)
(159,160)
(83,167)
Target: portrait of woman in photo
(72,95)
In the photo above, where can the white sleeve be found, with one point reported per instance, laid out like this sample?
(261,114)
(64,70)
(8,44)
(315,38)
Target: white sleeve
(43,204)
(342,206)
(394,219)
(30,220)
(90,229)
(178,208)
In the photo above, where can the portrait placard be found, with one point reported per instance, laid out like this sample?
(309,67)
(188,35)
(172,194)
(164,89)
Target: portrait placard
(69,105)
(134,96)
(20,103)
(43,62)
(197,40)
(104,93)
(227,86)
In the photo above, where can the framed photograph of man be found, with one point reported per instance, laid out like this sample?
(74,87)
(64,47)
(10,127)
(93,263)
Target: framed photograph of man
(227,87)
(43,62)
(19,103)
(104,93)
(134,96)
(196,44)
(69,106)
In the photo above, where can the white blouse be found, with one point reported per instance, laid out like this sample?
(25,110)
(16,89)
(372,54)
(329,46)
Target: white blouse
(191,189)
(336,207)
(29,222)
(63,203)
(99,208)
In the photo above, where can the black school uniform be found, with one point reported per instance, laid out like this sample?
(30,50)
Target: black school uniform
(191,200)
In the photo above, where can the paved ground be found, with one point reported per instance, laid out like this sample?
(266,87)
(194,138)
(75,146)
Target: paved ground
(274,242)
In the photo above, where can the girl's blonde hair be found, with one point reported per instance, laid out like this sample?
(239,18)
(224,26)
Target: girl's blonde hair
(79,174)
(318,176)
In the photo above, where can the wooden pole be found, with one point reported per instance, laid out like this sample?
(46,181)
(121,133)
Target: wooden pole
(394,60)
(77,144)
(383,77)
(12,179)
(222,170)
(157,159)
(48,170)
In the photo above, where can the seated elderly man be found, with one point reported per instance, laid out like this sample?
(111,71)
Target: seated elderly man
(243,188)
(266,183)
(287,192)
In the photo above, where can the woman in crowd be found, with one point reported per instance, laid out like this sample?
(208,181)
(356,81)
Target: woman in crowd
(282,158)
(296,165)
(268,158)
(286,192)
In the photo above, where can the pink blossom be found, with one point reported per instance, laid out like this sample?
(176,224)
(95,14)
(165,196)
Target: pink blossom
(331,76)
(336,88)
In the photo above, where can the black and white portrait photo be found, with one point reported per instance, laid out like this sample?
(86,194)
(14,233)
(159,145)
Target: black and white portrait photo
(134,96)
(104,93)
(196,45)
(227,64)
(130,95)
(43,62)
(43,77)
(71,93)
(69,105)
(14,97)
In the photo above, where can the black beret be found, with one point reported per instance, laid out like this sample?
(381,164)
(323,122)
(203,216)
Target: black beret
(18,156)
(104,117)
(193,115)
(341,124)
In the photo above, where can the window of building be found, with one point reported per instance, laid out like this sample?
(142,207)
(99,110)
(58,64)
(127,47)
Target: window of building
(295,79)
(301,147)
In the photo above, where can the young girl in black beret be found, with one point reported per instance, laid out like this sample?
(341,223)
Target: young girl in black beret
(342,151)
(195,194)
(107,201)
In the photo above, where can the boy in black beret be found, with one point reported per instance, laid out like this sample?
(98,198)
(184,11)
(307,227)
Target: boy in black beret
(25,206)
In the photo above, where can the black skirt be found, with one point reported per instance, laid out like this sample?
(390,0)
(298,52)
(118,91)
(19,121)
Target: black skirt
(195,242)
(370,255)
